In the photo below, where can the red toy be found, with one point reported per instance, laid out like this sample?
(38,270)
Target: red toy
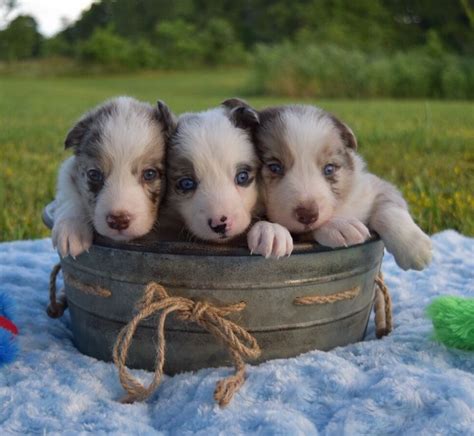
(8,332)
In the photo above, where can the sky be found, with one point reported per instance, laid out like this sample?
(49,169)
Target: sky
(49,13)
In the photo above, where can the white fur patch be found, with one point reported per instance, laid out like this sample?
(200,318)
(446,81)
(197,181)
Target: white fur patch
(307,131)
(128,133)
(216,149)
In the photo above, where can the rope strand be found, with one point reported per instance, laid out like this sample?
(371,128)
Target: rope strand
(327,299)
(156,301)
(56,306)
(382,304)
(382,308)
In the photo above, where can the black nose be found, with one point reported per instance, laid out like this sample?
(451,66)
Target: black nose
(306,215)
(219,228)
(118,221)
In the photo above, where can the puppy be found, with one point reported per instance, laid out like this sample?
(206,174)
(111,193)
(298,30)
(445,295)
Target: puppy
(212,171)
(315,183)
(114,181)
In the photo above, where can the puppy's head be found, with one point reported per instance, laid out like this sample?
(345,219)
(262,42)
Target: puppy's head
(308,160)
(212,167)
(120,153)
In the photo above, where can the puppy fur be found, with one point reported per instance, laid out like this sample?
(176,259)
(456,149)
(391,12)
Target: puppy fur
(115,180)
(212,171)
(315,183)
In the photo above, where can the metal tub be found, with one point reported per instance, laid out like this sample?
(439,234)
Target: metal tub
(220,275)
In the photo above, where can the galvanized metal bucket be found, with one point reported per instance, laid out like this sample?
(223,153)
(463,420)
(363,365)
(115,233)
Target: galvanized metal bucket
(220,275)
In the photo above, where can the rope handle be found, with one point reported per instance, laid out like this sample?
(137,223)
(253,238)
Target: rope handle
(382,308)
(382,304)
(327,299)
(56,306)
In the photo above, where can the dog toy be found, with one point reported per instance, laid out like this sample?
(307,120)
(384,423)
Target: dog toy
(8,331)
(453,321)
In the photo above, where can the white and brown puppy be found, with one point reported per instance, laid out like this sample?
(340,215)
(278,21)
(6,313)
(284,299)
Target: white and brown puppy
(316,183)
(212,170)
(114,181)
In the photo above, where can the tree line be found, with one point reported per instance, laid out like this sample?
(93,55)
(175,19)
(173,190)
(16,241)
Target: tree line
(299,48)
(175,33)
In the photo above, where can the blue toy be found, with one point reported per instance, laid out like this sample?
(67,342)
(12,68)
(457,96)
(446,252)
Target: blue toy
(8,331)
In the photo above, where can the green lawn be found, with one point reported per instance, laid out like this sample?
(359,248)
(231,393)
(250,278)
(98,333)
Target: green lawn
(425,148)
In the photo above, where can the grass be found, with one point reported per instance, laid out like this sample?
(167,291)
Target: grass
(425,148)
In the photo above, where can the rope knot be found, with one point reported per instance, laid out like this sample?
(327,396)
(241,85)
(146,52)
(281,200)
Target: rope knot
(156,301)
(196,312)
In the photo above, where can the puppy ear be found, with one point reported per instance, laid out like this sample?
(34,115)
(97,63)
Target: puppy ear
(166,118)
(76,135)
(232,103)
(87,125)
(346,133)
(244,117)
(241,114)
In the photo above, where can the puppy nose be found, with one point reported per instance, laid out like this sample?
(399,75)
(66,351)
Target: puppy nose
(118,221)
(306,215)
(216,226)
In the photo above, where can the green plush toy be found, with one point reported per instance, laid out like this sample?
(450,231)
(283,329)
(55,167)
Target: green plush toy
(453,321)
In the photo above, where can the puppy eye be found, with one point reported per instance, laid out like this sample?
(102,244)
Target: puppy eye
(242,178)
(329,169)
(187,184)
(150,174)
(276,168)
(95,176)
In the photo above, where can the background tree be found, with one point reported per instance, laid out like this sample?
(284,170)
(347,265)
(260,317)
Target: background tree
(21,39)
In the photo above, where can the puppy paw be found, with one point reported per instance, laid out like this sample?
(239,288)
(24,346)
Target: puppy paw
(71,237)
(412,249)
(341,232)
(269,240)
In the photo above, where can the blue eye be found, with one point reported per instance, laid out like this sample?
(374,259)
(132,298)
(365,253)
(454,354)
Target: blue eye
(275,168)
(150,174)
(95,176)
(187,184)
(242,178)
(329,169)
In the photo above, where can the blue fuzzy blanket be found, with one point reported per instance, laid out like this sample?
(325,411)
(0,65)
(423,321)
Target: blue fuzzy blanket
(402,384)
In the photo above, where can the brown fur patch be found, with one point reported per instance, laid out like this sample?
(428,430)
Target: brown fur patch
(348,138)
(340,156)
(270,138)
(163,115)
(335,154)
(178,167)
(86,132)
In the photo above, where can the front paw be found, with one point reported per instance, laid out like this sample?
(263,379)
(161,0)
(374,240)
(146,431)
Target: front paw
(412,249)
(270,240)
(341,232)
(71,237)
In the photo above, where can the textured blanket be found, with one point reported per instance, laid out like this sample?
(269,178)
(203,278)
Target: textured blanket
(403,384)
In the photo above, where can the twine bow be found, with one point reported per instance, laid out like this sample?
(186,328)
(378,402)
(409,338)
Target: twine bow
(210,317)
